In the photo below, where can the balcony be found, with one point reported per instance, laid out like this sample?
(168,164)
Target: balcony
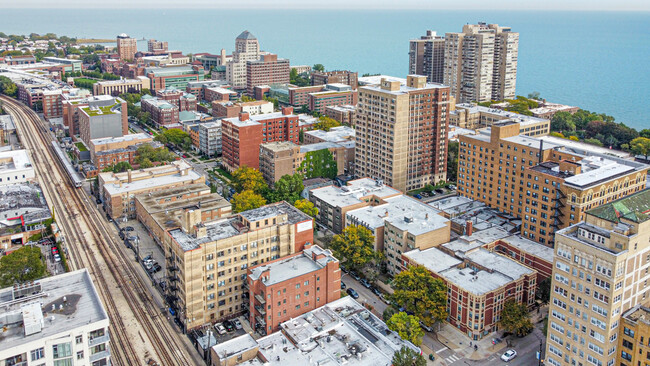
(260,320)
(101,355)
(260,299)
(99,340)
(173,278)
(260,310)
(172,268)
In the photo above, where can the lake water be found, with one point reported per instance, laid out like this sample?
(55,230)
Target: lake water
(595,60)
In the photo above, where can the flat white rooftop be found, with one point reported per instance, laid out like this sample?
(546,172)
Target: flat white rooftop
(14,160)
(335,134)
(376,79)
(521,118)
(584,148)
(295,266)
(353,192)
(125,138)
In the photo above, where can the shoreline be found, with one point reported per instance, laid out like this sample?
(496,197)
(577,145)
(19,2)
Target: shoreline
(95,40)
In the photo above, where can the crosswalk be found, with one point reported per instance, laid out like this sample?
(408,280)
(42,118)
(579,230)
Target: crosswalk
(451,359)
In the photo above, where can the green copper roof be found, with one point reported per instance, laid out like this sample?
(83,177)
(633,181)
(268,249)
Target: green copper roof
(635,207)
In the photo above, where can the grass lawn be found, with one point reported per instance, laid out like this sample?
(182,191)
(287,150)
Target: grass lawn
(92,81)
(81,146)
(223,172)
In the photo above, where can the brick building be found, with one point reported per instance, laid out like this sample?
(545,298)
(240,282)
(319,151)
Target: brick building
(335,77)
(299,96)
(126,47)
(176,76)
(475,117)
(230,109)
(549,186)
(162,112)
(341,113)
(288,287)
(109,151)
(117,87)
(243,135)
(332,95)
(269,69)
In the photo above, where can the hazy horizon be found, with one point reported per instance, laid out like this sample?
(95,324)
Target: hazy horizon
(497,5)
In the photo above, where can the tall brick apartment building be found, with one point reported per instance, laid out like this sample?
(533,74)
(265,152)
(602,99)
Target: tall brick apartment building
(291,286)
(269,69)
(549,186)
(242,136)
(335,77)
(126,47)
(401,132)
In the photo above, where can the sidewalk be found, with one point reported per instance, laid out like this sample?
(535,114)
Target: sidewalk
(460,343)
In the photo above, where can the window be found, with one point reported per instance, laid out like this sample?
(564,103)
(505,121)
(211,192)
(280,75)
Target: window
(37,354)
(61,350)
(80,355)
(78,339)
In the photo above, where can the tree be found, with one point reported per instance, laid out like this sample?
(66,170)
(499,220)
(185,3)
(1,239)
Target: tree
(408,357)
(354,247)
(514,318)
(325,123)
(593,142)
(544,290)
(452,160)
(562,121)
(318,67)
(288,188)
(7,87)
(640,146)
(245,98)
(247,200)
(645,133)
(407,326)
(173,136)
(24,264)
(421,294)
(307,207)
(248,179)
(534,95)
(122,166)
(319,163)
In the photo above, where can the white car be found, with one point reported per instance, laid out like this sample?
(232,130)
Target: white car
(509,355)
(220,328)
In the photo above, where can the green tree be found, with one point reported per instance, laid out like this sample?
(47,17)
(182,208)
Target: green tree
(534,95)
(246,178)
(388,313)
(452,161)
(640,146)
(288,188)
(408,357)
(245,98)
(562,121)
(318,67)
(173,136)
(544,290)
(354,247)
(421,294)
(407,326)
(319,163)
(593,142)
(514,318)
(7,87)
(325,123)
(645,133)
(247,200)
(122,166)
(145,163)
(24,264)
(307,207)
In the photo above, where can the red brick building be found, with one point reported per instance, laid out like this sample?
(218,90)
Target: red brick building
(300,96)
(291,286)
(319,101)
(266,71)
(162,112)
(178,98)
(242,136)
(335,77)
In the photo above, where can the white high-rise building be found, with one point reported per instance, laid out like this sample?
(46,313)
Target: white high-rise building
(247,48)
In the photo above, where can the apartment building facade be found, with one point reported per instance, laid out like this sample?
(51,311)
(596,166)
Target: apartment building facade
(117,87)
(600,271)
(126,47)
(332,95)
(177,76)
(481,63)
(401,132)
(634,336)
(210,138)
(335,77)
(247,48)
(208,262)
(427,57)
(288,287)
(548,186)
(103,118)
(269,69)
(162,112)
(472,116)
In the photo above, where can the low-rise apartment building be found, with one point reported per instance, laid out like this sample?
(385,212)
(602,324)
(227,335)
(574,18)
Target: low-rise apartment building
(288,287)
(58,320)
(333,77)
(474,117)
(634,337)
(109,151)
(180,99)
(332,95)
(600,272)
(162,112)
(400,224)
(229,109)
(15,167)
(243,135)
(340,134)
(299,96)
(548,186)
(164,210)
(118,190)
(341,113)
(334,202)
(207,262)
(210,138)
(23,213)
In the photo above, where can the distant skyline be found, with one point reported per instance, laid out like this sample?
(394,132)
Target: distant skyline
(573,5)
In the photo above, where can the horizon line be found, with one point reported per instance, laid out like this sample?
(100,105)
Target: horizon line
(279,8)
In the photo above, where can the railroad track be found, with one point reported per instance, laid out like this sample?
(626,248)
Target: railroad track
(71,205)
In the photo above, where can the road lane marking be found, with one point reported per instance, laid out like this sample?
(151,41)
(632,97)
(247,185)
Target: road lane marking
(442,349)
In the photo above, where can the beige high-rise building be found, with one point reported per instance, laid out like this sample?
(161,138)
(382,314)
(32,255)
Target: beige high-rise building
(601,271)
(401,132)
(427,57)
(247,48)
(481,63)
(126,47)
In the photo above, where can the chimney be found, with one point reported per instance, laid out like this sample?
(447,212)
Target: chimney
(287,111)
(468,228)
(130,178)
(243,116)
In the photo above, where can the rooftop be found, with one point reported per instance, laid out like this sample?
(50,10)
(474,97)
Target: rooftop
(531,247)
(287,268)
(318,146)
(584,148)
(353,192)
(246,35)
(478,238)
(279,146)
(15,160)
(638,313)
(170,70)
(125,138)
(30,319)
(335,134)
(22,199)
(235,346)
(403,212)
(635,207)
(376,79)
(521,118)
(403,89)
(121,81)
(158,103)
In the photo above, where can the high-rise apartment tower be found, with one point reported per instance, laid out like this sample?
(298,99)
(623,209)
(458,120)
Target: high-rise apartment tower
(427,57)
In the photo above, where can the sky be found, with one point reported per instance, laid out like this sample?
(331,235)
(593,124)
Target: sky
(583,5)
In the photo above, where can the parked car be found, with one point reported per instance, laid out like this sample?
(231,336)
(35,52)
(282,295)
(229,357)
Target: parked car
(352,293)
(98,201)
(355,276)
(426,327)
(122,235)
(440,190)
(385,299)
(57,258)
(220,328)
(375,291)
(418,196)
(129,228)
(343,285)
(155,268)
(236,323)
(229,325)
(55,250)
(451,186)
(133,238)
(509,355)
(366,283)
(147,258)
(345,270)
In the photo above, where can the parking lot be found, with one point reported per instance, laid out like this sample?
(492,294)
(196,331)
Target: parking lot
(143,246)
(53,266)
